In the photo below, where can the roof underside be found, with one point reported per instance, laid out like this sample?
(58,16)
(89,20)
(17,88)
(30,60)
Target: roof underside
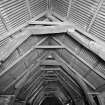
(44,42)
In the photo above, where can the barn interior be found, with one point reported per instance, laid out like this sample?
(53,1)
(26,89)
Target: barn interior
(52,52)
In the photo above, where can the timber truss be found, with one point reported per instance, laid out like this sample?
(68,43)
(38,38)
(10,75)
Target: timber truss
(53,58)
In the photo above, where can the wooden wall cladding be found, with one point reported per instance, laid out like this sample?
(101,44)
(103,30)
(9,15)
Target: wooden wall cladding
(100,67)
(82,12)
(87,15)
(89,57)
(60,7)
(11,59)
(37,6)
(14,12)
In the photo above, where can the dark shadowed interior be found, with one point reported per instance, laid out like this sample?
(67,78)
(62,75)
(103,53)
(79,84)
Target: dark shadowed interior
(51,101)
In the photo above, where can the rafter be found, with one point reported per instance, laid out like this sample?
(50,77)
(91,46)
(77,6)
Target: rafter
(49,47)
(69,7)
(95,14)
(29,9)
(4,23)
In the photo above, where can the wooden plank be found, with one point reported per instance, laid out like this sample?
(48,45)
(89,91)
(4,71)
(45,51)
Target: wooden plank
(47,23)
(49,47)
(51,69)
(93,93)
(50,62)
(39,30)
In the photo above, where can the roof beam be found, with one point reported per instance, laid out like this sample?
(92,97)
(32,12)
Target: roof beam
(94,93)
(50,62)
(40,30)
(49,47)
(48,23)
